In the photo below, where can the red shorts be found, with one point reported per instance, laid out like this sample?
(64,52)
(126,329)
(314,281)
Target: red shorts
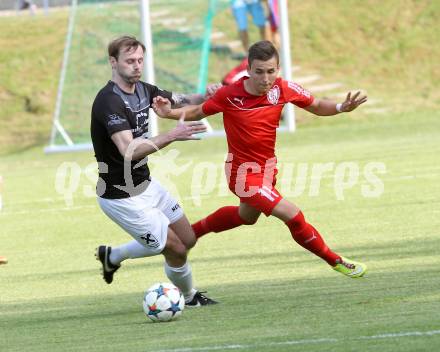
(254,190)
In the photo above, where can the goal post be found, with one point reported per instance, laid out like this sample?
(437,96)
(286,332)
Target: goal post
(57,127)
(286,62)
(149,61)
(178,41)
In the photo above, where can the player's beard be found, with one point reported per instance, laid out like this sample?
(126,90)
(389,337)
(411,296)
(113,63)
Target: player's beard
(133,79)
(130,79)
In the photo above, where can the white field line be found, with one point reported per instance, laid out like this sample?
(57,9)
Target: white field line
(42,200)
(184,30)
(234,44)
(161,13)
(376,110)
(172,21)
(397,335)
(306,79)
(326,177)
(371,102)
(49,210)
(217,35)
(324,87)
(353,90)
(197,187)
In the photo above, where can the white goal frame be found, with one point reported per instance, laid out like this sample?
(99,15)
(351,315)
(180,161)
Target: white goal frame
(149,76)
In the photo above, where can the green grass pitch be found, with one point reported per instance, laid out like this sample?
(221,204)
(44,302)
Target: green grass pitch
(274,295)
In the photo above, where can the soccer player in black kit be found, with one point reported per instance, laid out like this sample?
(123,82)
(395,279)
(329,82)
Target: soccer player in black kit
(126,192)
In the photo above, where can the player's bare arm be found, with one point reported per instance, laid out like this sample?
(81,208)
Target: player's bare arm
(137,148)
(181,100)
(162,107)
(328,108)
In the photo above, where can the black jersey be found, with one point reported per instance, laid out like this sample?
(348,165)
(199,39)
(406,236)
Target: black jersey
(113,111)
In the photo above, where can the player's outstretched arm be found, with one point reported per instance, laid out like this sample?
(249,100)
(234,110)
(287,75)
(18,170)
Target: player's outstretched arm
(162,107)
(328,108)
(181,100)
(138,148)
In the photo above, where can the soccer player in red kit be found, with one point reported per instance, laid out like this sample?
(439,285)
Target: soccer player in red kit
(251,110)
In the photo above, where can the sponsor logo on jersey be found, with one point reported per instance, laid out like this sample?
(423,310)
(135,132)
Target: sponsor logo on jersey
(273,95)
(239,100)
(300,90)
(141,123)
(115,119)
(141,114)
(150,240)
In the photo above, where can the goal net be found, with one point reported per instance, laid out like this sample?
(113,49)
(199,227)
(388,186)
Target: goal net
(180,32)
(184,58)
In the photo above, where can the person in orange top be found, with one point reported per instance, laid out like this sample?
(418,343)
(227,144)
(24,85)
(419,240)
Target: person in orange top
(251,110)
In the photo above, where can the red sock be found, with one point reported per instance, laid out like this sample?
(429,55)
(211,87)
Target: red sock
(309,238)
(222,219)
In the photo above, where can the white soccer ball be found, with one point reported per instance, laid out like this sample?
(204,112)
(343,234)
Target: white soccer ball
(163,302)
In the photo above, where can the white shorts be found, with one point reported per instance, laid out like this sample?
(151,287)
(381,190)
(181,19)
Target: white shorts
(146,216)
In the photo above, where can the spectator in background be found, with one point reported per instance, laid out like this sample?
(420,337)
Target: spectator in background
(27,4)
(240,10)
(3,260)
(236,73)
(274,22)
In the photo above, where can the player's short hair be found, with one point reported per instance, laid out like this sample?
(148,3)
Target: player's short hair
(263,50)
(126,41)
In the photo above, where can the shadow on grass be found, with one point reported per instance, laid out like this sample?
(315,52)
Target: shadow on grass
(372,253)
(249,311)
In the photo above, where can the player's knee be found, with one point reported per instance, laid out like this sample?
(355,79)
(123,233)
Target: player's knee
(178,250)
(175,254)
(249,218)
(285,210)
(248,215)
(250,221)
(174,247)
(188,238)
(191,242)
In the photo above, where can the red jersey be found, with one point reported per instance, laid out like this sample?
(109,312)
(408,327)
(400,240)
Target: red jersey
(251,120)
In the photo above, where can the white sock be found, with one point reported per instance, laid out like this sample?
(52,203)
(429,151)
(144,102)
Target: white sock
(132,249)
(182,278)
